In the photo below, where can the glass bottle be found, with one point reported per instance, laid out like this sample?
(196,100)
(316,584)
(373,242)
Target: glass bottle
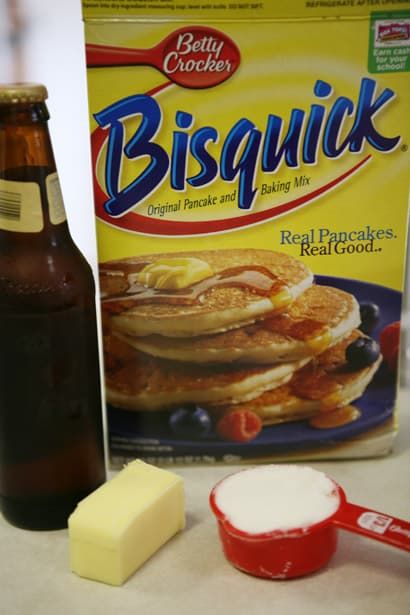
(51,434)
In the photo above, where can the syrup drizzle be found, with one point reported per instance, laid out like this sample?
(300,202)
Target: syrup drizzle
(121,291)
(313,382)
(335,418)
(296,328)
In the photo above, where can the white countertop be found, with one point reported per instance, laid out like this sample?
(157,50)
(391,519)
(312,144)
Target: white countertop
(189,575)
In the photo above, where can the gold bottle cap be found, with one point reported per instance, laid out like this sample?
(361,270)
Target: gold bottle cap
(22,92)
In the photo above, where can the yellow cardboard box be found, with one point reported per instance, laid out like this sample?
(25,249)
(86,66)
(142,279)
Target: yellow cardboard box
(241,128)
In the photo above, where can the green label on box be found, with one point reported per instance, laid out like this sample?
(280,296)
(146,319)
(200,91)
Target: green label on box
(389,42)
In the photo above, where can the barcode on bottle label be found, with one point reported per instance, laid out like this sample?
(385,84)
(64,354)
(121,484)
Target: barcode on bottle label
(20,207)
(55,199)
(10,205)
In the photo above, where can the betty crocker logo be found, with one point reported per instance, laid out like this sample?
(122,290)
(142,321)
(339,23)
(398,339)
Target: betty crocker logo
(192,57)
(200,57)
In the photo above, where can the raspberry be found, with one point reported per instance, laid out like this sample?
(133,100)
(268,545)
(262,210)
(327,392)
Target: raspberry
(390,344)
(393,360)
(239,426)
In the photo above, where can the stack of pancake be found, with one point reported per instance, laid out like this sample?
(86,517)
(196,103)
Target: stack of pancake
(254,333)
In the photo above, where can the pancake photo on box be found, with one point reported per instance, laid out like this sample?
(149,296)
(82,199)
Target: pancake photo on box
(234,336)
(137,381)
(315,320)
(321,390)
(187,294)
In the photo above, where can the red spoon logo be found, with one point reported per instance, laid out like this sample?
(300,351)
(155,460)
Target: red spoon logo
(193,57)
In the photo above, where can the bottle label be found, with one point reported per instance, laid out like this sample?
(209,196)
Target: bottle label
(55,199)
(20,207)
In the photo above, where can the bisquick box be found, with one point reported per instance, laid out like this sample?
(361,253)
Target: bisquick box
(251,177)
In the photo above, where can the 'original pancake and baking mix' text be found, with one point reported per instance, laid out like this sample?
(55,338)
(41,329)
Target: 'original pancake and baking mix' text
(251,179)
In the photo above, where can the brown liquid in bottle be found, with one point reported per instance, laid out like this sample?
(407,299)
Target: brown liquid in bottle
(51,438)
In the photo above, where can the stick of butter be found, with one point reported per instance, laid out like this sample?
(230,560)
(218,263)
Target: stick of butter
(113,531)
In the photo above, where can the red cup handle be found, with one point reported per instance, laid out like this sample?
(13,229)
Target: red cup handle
(373,524)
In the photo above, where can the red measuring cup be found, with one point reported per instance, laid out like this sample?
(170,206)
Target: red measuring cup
(284,554)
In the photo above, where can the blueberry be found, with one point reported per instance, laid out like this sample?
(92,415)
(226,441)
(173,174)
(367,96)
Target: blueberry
(369,314)
(190,422)
(362,352)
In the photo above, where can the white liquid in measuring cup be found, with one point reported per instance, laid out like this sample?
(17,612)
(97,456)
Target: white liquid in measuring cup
(276,497)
